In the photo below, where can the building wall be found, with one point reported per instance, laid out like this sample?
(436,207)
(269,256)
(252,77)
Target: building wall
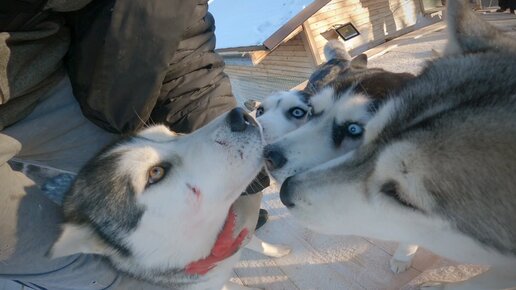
(292,62)
(285,67)
(376,20)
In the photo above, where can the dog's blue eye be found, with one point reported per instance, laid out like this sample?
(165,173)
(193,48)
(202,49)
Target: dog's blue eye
(355,129)
(297,113)
(259,111)
(349,130)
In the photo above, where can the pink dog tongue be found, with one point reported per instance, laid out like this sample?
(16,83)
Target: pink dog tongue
(225,246)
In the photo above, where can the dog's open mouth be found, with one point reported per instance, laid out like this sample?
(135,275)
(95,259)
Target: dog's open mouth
(225,246)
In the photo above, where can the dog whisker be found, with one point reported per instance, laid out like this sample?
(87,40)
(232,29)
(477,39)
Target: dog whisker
(144,123)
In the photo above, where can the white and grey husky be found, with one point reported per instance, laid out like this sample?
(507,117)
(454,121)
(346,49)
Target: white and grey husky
(437,163)
(346,95)
(165,207)
(336,129)
(285,111)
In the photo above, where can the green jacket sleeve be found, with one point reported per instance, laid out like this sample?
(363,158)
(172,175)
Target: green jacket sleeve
(195,89)
(119,57)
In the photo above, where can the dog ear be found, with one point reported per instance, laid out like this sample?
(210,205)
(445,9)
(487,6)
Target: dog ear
(335,49)
(359,61)
(468,33)
(322,100)
(157,133)
(77,239)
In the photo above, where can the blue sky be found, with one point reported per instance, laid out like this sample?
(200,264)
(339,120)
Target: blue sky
(251,22)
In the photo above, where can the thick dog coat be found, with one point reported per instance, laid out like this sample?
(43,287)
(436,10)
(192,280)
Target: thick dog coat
(166,208)
(437,163)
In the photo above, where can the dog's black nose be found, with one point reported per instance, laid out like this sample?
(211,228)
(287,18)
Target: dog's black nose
(239,120)
(274,158)
(286,194)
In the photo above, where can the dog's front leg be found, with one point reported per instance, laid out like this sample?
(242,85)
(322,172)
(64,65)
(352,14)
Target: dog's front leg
(275,251)
(493,279)
(234,286)
(402,258)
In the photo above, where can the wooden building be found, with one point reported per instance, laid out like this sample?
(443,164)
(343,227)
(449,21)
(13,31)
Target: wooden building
(286,57)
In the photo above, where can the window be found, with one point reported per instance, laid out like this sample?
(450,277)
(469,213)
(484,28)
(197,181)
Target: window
(346,31)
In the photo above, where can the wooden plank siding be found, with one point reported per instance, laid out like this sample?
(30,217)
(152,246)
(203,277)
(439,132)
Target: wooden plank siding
(376,20)
(292,62)
(283,68)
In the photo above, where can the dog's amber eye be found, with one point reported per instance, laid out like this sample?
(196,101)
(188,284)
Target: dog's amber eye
(156,173)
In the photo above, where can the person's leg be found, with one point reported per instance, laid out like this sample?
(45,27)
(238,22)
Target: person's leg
(29,222)
(56,134)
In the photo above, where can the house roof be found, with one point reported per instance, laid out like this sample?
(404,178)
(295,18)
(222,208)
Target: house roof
(259,24)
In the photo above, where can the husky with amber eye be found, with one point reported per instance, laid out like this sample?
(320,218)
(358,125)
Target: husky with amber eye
(166,208)
(437,163)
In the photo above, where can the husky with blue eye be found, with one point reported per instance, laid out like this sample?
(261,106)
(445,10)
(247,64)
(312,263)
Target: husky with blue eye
(436,165)
(285,111)
(337,127)
(346,96)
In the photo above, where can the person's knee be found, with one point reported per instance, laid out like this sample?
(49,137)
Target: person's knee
(78,272)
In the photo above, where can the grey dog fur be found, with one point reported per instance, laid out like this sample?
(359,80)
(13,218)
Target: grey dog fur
(460,114)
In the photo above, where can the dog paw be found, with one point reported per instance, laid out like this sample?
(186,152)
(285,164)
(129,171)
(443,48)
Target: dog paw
(432,286)
(277,251)
(399,266)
